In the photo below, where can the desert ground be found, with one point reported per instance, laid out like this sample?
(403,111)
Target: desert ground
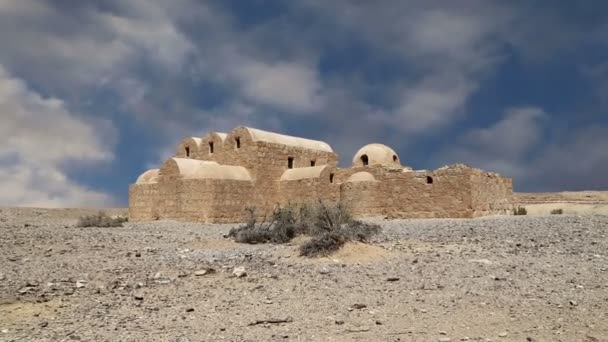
(517,278)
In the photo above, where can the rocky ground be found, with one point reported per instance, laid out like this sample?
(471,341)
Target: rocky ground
(524,278)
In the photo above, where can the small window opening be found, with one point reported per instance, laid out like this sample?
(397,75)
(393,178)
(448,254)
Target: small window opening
(429,180)
(394,158)
(290,162)
(364,160)
(211,147)
(331,177)
(313,163)
(238,142)
(187,152)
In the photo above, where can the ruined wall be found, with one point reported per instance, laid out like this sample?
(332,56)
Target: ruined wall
(491,193)
(427,194)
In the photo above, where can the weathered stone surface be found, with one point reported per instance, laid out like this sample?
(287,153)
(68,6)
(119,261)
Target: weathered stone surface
(214,179)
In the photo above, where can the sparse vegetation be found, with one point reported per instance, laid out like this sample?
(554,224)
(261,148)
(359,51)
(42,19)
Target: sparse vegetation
(329,226)
(557,211)
(101,219)
(520,211)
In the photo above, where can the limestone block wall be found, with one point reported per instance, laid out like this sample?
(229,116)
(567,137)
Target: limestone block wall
(189,148)
(212,147)
(491,193)
(308,185)
(214,179)
(362,198)
(426,194)
(143,202)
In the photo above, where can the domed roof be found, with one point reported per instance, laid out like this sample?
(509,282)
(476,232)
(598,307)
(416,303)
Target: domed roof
(361,177)
(148,177)
(376,154)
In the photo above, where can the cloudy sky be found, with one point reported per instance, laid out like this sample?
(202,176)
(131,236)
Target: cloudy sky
(94,92)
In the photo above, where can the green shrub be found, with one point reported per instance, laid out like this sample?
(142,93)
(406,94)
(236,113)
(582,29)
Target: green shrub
(520,211)
(330,227)
(557,211)
(102,220)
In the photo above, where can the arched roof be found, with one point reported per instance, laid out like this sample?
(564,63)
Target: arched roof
(220,135)
(303,172)
(148,177)
(377,154)
(361,177)
(203,169)
(259,135)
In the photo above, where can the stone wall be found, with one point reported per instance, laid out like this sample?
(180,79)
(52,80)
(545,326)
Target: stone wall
(491,193)
(183,192)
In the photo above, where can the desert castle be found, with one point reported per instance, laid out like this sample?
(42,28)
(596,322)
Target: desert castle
(214,179)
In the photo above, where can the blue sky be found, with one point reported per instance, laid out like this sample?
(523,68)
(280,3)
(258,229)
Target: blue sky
(93,93)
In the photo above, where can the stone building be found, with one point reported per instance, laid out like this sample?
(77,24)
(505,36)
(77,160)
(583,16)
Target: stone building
(214,179)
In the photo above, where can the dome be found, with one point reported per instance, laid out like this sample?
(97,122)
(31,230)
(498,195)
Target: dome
(148,177)
(376,154)
(361,177)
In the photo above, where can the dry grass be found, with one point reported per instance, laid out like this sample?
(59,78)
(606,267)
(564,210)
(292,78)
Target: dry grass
(101,219)
(520,211)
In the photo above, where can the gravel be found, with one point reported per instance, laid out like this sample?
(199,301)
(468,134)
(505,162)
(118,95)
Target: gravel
(536,278)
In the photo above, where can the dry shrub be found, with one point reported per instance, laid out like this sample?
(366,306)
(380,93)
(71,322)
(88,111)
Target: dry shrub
(520,211)
(102,220)
(557,211)
(280,229)
(330,227)
(322,245)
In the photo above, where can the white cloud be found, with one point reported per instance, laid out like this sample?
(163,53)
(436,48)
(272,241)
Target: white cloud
(433,102)
(40,139)
(502,147)
(517,147)
(286,85)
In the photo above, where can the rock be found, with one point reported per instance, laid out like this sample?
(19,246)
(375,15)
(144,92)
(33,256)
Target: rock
(44,324)
(392,279)
(444,339)
(2,277)
(239,272)
(503,334)
(481,261)
(157,275)
(200,273)
(81,284)
(138,296)
(5,331)
(189,309)
(573,303)
(358,306)
(324,270)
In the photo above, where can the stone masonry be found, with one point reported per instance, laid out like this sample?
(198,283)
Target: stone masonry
(214,179)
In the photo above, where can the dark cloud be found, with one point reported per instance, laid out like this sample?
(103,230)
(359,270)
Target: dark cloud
(350,72)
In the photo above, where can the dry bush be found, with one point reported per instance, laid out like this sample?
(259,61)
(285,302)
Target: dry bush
(330,227)
(102,220)
(280,229)
(322,245)
(557,211)
(520,211)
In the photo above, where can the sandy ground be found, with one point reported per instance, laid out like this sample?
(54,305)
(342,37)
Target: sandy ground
(574,202)
(523,278)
